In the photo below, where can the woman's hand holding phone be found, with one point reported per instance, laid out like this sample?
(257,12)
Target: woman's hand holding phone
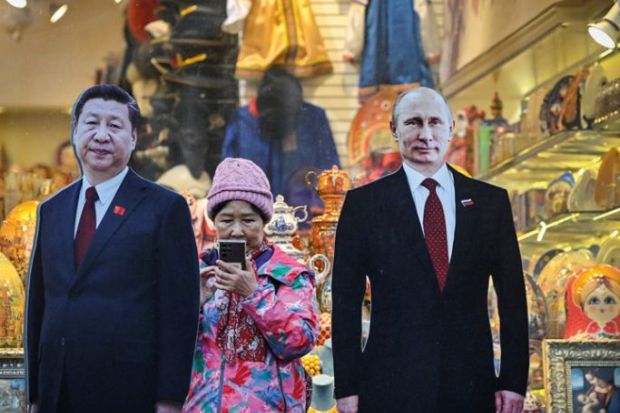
(230,277)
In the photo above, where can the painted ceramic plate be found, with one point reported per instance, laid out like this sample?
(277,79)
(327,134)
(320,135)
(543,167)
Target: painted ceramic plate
(607,191)
(597,78)
(581,197)
(556,196)
(552,105)
(544,260)
(609,252)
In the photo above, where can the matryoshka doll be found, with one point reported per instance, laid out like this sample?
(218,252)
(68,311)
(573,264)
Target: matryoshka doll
(593,303)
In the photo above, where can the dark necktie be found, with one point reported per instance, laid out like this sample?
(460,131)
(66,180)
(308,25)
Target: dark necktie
(435,232)
(86,227)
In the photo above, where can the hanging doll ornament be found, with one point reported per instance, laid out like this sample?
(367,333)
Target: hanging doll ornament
(593,303)
(277,34)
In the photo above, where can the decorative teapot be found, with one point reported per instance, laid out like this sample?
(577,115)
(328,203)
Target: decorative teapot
(283,226)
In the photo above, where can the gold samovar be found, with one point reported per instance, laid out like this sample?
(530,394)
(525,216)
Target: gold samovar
(331,185)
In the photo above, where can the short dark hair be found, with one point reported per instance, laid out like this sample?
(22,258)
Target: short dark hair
(106,92)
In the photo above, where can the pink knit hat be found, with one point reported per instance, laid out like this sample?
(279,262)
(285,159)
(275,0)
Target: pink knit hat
(238,179)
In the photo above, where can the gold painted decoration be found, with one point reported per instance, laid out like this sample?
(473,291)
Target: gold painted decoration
(370,129)
(17,236)
(282,34)
(607,192)
(12,301)
(577,371)
(331,185)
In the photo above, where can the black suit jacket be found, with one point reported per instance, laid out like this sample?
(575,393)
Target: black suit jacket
(428,351)
(122,327)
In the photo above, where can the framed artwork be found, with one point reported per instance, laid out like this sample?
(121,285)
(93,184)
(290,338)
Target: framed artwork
(12,381)
(582,376)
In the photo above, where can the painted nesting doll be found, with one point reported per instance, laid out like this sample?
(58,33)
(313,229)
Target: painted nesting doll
(593,303)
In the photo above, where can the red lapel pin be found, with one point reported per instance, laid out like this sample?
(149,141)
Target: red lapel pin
(119,210)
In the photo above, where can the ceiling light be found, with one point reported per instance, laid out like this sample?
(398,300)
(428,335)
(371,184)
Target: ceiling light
(20,4)
(605,31)
(57,11)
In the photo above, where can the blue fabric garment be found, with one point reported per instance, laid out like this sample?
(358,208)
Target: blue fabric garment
(315,145)
(393,52)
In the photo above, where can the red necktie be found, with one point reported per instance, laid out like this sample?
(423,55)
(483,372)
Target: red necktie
(435,232)
(86,227)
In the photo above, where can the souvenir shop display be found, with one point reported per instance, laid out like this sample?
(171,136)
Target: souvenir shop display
(189,109)
(391,31)
(12,301)
(331,185)
(537,322)
(560,164)
(278,34)
(570,112)
(593,303)
(17,236)
(372,150)
(607,103)
(537,328)
(325,328)
(532,404)
(531,123)
(179,178)
(556,196)
(593,87)
(223,78)
(581,197)
(462,145)
(282,228)
(607,189)
(552,106)
(204,232)
(552,282)
(322,395)
(580,375)
(281,135)
(609,252)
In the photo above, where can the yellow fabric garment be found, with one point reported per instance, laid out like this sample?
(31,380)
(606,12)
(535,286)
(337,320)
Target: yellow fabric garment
(282,33)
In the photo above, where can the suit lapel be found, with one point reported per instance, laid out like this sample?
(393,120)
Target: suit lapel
(128,196)
(406,219)
(465,208)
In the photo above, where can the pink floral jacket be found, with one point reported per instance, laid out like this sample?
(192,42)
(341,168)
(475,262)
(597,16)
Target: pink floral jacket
(248,359)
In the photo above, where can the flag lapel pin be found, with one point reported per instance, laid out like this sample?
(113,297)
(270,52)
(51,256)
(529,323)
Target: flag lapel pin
(119,210)
(467,202)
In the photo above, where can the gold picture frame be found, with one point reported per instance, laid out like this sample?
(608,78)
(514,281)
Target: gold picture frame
(571,367)
(12,381)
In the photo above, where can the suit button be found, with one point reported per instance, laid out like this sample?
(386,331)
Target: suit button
(62,342)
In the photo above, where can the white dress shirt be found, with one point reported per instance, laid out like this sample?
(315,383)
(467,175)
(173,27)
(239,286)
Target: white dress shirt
(105,190)
(445,192)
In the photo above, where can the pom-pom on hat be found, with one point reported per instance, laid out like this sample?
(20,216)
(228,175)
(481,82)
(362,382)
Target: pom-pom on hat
(238,179)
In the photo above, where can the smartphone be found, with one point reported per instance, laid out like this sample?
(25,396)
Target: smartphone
(232,251)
